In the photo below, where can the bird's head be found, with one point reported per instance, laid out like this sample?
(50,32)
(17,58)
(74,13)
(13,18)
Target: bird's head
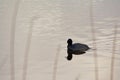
(69,41)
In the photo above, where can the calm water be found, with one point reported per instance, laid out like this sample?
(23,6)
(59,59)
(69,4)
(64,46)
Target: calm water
(42,25)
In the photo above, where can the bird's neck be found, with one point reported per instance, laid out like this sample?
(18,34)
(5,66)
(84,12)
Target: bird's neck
(70,44)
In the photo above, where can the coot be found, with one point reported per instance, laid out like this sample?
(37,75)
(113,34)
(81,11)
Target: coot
(76,49)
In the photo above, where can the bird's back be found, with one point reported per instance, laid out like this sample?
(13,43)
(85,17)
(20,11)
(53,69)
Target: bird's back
(78,47)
